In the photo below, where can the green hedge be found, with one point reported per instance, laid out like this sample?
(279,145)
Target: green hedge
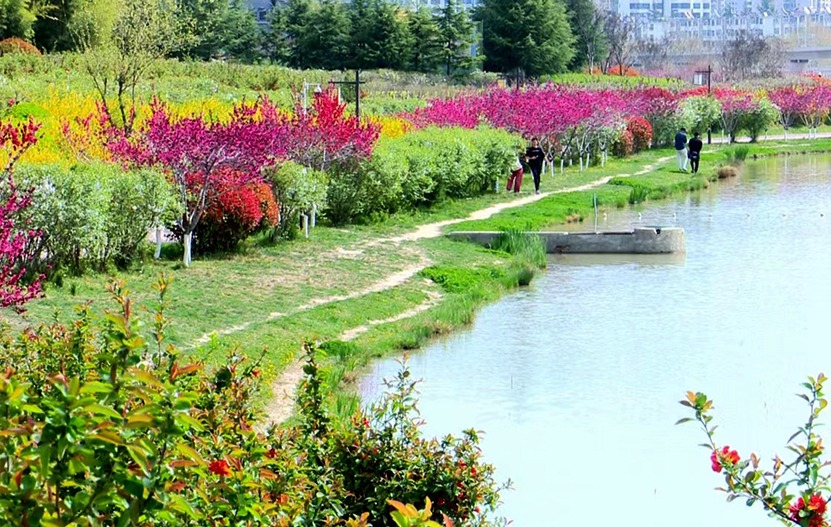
(95,214)
(421,169)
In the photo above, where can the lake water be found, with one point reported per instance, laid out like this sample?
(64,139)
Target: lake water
(576,380)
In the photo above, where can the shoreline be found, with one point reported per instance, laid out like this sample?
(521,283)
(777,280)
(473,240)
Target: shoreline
(344,395)
(270,298)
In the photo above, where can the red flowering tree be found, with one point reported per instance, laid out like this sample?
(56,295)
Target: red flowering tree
(795,492)
(815,105)
(205,159)
(325,136)
(15,239)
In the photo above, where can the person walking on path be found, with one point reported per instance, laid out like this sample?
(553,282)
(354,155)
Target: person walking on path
(515,179)
(681,149)
(534,156)
(695,145)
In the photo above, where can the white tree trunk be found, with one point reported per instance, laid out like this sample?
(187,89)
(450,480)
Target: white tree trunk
(187,242)
(158,253)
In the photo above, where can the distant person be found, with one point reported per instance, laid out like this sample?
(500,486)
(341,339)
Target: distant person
(695,145)
(681,149)
(515,179)
(534,156)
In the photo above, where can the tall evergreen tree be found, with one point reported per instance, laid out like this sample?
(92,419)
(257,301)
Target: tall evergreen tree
(530,35)
(379,35)
(221,27)
(425,50)
(17,19)
(456,34)
(324,43)
(52,25)
(586,22)
(276,41)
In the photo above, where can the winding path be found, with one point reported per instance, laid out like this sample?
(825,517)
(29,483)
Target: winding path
(284,388)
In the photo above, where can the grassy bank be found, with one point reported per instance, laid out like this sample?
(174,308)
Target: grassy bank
(269,298)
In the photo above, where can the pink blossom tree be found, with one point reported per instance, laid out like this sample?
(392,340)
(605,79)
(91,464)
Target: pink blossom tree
(734,106)
(789,103)
(15,238)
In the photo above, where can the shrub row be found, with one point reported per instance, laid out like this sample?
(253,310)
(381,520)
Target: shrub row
(420,169)
(91,215)
(101,424)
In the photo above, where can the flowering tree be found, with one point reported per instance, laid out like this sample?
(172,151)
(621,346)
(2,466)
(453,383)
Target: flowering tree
(15,238)
(326,135)
(790,491)
(789,103)
(814,104)
(208,159)
(734,105)
(203,158)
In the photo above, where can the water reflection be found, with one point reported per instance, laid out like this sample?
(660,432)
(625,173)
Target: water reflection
(576,380)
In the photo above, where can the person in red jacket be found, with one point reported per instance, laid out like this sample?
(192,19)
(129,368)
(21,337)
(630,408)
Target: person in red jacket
(515,179)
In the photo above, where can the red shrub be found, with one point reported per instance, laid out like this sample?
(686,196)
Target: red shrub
(16,45)
(624,145)
(268,206)
(641,132)
(235,215)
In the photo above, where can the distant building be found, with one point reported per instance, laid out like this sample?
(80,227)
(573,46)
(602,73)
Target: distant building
(713,30)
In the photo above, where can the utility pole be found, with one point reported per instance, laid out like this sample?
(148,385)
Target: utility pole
(709,73)
(357,82)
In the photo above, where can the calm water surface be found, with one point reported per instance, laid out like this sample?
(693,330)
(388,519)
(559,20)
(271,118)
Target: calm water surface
(576,380)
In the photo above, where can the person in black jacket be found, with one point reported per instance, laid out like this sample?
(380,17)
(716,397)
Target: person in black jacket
(534,156)
(694,151)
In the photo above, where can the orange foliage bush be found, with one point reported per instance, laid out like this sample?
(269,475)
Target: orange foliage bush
(16,45)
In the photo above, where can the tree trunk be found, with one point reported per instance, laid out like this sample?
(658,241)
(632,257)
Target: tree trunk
(188,238)
(158,242)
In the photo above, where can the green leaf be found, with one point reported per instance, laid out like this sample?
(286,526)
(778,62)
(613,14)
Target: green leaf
(180,504)
(97,409)
(189,420)
(96,387)
(191,454)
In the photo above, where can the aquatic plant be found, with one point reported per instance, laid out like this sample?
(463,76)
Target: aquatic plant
(520,243)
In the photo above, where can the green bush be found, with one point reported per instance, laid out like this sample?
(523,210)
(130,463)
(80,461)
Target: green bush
(698,114)
(94,214)
(297,190)
(759,119)
(420,169)
(102,423)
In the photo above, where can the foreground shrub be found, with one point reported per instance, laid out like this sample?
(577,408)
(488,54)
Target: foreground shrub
(791,491)
(101,424)
(381,455)
(94,214)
